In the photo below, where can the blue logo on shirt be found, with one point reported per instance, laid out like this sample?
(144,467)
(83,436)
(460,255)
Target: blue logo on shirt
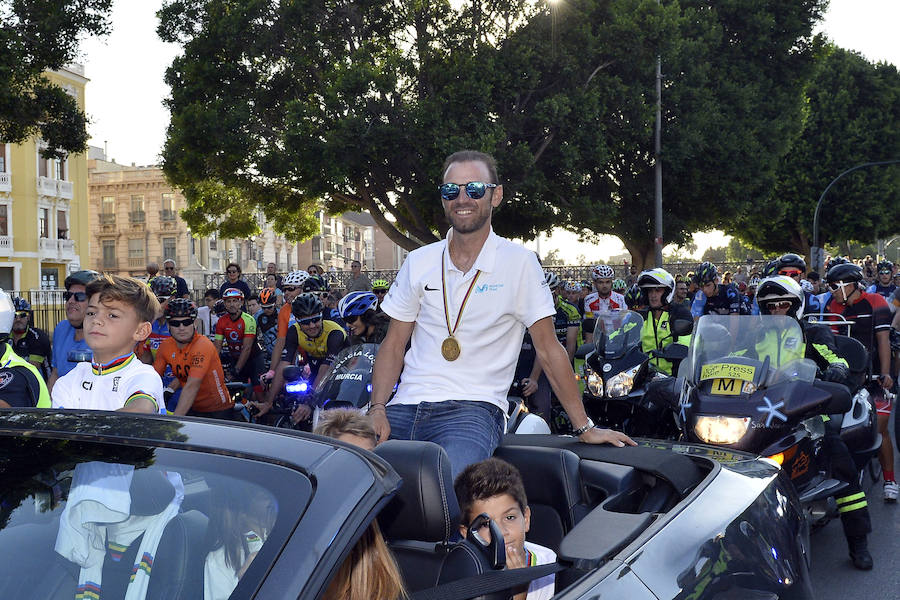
(488,287)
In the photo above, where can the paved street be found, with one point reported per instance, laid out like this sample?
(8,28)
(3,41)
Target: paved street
(833,575)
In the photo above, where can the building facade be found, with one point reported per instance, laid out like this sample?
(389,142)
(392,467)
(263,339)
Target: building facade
(348,237)
(44,232)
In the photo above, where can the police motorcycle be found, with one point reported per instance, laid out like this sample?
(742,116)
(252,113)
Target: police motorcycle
(731,398)
(617,373)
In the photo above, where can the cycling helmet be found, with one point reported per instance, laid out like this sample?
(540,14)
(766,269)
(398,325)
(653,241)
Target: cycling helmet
(706,272)
(886,265)
(844,272)
(7,314)
(233,293)
(754,282)
(837,260)
(83,277)
(781,287)
(602,272)
(654,278)
(574,286)
(633,297)
(619,285)
(163,286)
(267,297)
(791,261)
(355,304)
(552,279)
(770,269)
(219,308)
(295,278)
(21,304)
(380,284)
(315,283)
(306,305)
(807,286)
(181,307)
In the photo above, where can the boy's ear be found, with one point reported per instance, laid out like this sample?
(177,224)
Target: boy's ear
(527,514)
(142,332)
(463,530)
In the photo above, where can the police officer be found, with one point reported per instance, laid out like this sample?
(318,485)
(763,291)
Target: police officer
(657,291)
(21,384)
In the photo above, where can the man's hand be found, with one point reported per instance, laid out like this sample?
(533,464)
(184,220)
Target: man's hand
(301,413)
(261,407)
(380,423)
(886,382)
(528,387)
(596,435)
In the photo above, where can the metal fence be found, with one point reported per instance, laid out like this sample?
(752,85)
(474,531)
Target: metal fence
(48,307)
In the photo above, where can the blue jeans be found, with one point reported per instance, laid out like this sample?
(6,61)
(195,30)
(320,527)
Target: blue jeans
(468,431)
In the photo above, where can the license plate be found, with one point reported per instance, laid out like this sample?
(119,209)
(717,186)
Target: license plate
(726,387)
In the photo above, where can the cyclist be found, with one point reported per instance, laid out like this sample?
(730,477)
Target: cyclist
(267,324)
(602,300)
(567,321)
(619,285)
(164,288)
(658,290)
(380,288)
(22,384)
(236,336)
(30,343)
(871,326)
(634,298)
(794,266)
(291,287)
(572,291)
(713,297)
(365,325)
(196,365)
(782,295)
(884,285)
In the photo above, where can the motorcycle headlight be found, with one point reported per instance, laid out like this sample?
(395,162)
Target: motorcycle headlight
(594,383)
(721,430)
(621,384)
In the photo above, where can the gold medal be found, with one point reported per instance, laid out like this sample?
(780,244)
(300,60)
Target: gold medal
(450,349)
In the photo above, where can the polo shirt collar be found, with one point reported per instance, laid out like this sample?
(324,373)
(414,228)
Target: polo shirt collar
(487,257)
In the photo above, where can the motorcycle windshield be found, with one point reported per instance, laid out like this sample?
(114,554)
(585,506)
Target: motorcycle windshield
(616,332)
(760,350)
(349,383)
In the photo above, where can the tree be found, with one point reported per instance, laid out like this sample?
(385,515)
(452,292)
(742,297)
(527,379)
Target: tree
(553,258)
(852,117)
(37,36)
(356,104)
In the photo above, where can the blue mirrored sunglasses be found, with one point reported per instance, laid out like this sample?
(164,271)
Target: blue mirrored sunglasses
(474,189)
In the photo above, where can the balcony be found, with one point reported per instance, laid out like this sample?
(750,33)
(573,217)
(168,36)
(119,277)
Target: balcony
(107,218)
(137,216)
(46,186)
(6,245)
(136,263)
(5,182)
(64,189)
(167,215)
(48,249)
(66,249)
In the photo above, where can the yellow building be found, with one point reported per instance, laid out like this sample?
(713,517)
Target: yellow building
(43,207)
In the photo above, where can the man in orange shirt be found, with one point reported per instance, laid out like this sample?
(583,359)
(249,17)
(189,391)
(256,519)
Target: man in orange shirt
(195,364)
(291,287)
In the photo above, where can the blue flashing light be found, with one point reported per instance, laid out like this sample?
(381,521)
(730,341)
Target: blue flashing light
(369,387)
(298,387)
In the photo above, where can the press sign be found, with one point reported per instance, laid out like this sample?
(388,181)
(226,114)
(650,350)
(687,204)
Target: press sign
(727,371)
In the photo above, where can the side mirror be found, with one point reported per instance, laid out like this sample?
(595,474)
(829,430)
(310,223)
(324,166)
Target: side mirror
(682,327)
(583,350)
(672,352)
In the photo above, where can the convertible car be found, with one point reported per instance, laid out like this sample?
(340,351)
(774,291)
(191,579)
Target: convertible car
(106,505)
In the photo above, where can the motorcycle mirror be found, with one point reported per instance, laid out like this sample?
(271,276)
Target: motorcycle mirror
(583,350)
(682,327)
(673,352)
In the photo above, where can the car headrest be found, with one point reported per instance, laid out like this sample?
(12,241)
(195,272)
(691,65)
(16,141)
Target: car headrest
(150,491)
(425,507)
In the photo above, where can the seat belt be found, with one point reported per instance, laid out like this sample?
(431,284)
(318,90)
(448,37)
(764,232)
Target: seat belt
(485,583)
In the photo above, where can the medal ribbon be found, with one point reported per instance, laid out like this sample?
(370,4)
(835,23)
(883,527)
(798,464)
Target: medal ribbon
(465,299)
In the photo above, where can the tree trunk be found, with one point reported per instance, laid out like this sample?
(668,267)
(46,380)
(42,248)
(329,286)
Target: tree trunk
(643,253)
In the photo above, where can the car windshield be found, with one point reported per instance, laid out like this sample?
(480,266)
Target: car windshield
(616,332)
(80,517)
(349,382)
(762,350)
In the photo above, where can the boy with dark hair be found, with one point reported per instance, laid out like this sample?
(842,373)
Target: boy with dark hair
(494,487)
(118,316)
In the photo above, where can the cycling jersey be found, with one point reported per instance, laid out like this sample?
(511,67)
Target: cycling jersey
(158,332)
(593,304)
(726,300)
(110,386)
(34,346)
(870,314)
(320,350)
(197,360)
(21,384)
(234,333)
(566,316)
(267,331)
(285,320)
(888,292)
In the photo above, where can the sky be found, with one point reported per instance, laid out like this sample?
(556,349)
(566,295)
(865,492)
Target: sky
(126,91)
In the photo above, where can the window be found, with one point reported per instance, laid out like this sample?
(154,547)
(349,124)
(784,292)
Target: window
(62,225)
(2,157)
(137,204)
(44,222)
(108,205)
(136,249)
(168,248)
(168,207)
(4,219)
(109,254)
(59,170)
(317,248)
(42,166)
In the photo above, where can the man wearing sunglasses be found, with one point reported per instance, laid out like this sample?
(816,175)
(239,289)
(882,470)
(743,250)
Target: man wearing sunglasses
(793,266)
(884,285)
(69,344)
(181,289)
(29,342)
(465,303)
(359,281)
(233,280)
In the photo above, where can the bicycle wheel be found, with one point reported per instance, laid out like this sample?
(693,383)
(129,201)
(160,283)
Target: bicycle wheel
(284,422)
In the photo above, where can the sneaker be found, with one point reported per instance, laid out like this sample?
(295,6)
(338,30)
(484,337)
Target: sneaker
(859,553)
(891,491)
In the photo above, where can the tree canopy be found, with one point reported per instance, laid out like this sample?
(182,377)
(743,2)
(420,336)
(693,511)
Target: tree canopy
(36,36)
(852,117)
(283,105)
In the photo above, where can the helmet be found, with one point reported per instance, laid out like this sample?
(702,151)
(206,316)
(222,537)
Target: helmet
(355,304)
(807,286)
(837,260)
(844,272)
(233,293)
(219,308)
(770,269)
(21,304)
(295,278)
(619,285)
(315,283)
(7,313)
(574,286)
(886,265)
(706,272)
(82,277)
(781,287)
(791,261)
(163,286)
(306,305)
(267,297)
(753,282)
(633,296)
(380,284)
(552,279)
(654,278)
(181,307)
(602,272)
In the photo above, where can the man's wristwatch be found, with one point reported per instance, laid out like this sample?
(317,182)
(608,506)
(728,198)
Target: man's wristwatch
(581,430)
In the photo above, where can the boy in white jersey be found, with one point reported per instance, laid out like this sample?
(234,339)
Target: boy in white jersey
(119,313)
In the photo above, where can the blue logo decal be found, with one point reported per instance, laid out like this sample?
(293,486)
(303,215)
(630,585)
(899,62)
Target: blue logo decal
(487,287)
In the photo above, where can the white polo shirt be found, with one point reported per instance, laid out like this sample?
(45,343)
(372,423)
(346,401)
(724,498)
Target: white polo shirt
(509,296)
